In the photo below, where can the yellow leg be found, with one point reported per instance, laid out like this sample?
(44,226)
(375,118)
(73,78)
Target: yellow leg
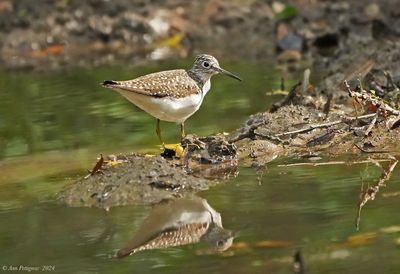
(183,135)
(158,131)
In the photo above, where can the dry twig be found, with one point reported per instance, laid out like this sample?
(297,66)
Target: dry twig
(97,167)
(324,125)
(372,124)
(335,163)
(370,98)
(287,100)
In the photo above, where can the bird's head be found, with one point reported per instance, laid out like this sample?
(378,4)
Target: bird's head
(206,66)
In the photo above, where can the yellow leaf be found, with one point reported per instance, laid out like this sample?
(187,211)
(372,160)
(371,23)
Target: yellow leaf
(272,243)
(173,41)
(277,92)
(361,239)
(391,229)
(175,147)
(112,163)
(239,246)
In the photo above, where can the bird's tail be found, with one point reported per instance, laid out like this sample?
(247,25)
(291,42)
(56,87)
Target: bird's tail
(109,83)
(124,252)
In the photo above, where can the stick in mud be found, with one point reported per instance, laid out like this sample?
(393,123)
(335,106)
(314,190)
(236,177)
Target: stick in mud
(335,163)
(287,100)
(371,151)
(315,126)
(372,124)
(327,106)
(306,81)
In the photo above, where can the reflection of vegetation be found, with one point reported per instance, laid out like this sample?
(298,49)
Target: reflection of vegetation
(70,110)
(371,191)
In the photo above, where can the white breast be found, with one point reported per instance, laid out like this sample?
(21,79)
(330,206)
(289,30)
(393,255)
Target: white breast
(176,109)
(206,87)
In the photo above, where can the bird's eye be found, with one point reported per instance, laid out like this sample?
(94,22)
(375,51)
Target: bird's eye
(220,243)
(206,64)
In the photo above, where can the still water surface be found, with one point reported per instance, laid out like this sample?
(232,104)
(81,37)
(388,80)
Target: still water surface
(53,126)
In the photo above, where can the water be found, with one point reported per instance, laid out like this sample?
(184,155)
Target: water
(52,126)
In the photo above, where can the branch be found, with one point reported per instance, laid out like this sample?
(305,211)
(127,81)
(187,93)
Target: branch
(287,100)
(374,100)
(315,126)
(335,163)
(372,124)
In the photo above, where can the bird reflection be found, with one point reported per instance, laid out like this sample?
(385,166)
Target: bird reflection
(180,222)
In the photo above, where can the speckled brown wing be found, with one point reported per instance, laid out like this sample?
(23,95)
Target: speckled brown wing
(183,235)
(170,83)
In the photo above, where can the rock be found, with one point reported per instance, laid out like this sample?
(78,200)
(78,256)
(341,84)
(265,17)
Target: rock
(291,41)
(210,149)
(381,30)
(372,10)
(257,151)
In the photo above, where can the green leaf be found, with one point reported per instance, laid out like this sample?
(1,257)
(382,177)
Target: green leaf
(288,12)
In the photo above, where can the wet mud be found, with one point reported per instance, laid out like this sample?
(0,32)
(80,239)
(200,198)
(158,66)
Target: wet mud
(148,179)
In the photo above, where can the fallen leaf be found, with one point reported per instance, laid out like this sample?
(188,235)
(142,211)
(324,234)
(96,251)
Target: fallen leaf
(288,12)
(179,151)
(177,148)
(173,41)
(391,229)
(277,92)
(54,49)
(239,246)
(391,194)
(372,108)
(360,239)
(272,243)
(113,163)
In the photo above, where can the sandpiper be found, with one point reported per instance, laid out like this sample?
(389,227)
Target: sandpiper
(177,222)
(172,95)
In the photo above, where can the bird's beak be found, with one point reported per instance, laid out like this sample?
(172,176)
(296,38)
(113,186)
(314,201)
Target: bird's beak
(230,74)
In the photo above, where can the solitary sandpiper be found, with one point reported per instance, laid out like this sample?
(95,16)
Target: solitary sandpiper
(172,95)
(177,222)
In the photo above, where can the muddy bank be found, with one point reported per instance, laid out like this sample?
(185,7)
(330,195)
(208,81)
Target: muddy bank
(136,180)
(301,131)
(49,35)
(354,109)
(149,179)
